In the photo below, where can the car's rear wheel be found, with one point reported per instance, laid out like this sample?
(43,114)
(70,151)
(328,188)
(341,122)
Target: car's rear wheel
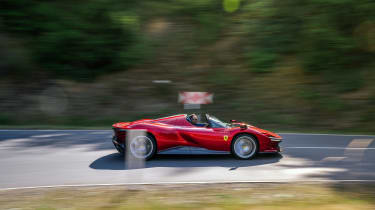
(142,147)
(244,146)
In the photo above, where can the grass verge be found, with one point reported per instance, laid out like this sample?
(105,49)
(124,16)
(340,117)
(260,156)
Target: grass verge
(196,196)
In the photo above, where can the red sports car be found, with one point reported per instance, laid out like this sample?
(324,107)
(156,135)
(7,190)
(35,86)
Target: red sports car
(197,130)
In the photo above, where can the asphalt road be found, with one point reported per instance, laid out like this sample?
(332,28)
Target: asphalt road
(66,157)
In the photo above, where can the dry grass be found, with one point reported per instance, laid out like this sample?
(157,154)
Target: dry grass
(223,196)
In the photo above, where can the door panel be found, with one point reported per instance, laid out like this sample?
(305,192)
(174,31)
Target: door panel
(209,138)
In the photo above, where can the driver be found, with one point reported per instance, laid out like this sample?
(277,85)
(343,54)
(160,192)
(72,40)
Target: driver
(194,121)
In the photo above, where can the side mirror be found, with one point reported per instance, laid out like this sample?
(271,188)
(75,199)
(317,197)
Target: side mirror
(232,121)
(243,126)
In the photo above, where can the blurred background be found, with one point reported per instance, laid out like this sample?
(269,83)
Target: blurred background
(290,65)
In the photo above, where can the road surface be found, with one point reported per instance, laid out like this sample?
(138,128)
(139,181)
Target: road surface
(32,158)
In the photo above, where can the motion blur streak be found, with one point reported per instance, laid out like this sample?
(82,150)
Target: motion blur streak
(293,65)
(298,66)
(51,161)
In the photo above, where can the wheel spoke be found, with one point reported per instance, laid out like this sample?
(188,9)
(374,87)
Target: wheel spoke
(245,147)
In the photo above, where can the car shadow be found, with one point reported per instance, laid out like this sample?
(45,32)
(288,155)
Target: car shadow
(115,161)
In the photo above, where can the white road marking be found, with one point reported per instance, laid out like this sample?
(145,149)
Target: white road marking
(360,143)
(325,134)
(357,155)
(346,148)
(353,152)
(312,170)
(332,159)
(100,132)
(50,135)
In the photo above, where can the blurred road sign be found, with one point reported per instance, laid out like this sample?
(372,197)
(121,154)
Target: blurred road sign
(195,97)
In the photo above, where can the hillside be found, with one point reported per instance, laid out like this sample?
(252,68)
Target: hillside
(284,65)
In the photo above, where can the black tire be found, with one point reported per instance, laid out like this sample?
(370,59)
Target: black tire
(149,141)
(249,147)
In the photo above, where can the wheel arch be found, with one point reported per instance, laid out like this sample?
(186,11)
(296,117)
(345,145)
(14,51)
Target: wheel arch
(147,128)
(149,133)
(153,136)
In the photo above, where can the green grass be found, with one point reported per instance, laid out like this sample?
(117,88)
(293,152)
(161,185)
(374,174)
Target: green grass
(222,196)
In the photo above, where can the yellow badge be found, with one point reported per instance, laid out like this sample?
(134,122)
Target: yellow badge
(225,138)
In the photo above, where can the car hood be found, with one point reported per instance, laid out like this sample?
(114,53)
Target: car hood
(259,130)
(266,132)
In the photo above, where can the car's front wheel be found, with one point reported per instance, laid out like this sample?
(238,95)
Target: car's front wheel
(142,147)
(244,146)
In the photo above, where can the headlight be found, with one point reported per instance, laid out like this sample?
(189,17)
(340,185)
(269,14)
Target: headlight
(276,139)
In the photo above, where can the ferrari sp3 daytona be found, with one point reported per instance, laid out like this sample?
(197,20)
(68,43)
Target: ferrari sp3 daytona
(203,130)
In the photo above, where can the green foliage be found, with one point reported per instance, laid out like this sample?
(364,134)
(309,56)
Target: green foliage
(210,25)
(345,80)
(324,49)
(83,39)
(308,94)
(331,105)
(5,120)
(273,34)
(223,78)
(78,40)
(262,60)
(320,33)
